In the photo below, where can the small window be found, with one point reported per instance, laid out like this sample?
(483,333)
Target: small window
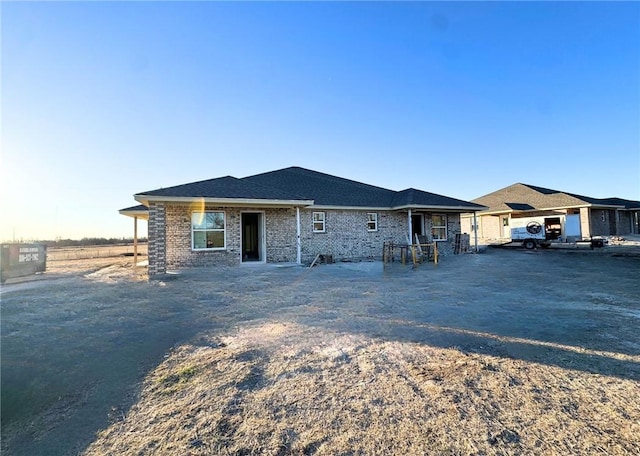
(439,227)
(318,222)
(208,231)
(603,216)
(372,221)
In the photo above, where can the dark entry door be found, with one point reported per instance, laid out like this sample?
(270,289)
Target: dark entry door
(417,225)
(251,237)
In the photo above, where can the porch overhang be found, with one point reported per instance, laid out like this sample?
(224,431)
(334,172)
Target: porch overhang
(140,211)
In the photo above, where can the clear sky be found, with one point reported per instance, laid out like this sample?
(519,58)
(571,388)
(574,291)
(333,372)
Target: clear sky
(104,100)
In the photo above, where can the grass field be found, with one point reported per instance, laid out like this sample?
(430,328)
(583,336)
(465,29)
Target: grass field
(65,254)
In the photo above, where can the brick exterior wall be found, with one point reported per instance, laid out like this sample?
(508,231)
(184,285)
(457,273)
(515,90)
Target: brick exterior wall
(280,237)
(157,239)
(602,222)
(346,235)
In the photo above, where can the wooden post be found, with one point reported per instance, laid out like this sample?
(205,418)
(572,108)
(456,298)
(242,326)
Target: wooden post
(135,242)
(435,252)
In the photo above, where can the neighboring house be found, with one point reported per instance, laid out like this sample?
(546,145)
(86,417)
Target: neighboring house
(588,216)
(288,215)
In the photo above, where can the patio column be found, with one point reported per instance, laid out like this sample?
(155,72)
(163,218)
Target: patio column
(298,249)
(135,242)
(410,228)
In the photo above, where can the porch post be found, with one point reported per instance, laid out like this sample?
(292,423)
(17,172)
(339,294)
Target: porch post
(475,231)
(410,228)
(135,242)
(298,252)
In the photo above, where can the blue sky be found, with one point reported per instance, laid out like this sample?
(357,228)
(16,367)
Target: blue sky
(104,100)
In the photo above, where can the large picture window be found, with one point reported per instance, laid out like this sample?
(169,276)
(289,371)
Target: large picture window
(208,231)
(439,227)
(318,222)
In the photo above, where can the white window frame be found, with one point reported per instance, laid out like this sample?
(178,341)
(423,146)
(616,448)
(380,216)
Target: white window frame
(372,220)
(434,227)
(321,219)
(223,230)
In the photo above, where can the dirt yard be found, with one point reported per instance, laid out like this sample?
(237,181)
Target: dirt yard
(506,352)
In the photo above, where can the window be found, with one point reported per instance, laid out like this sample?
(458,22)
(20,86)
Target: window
(439,227)
(318,222)
(372,221)
(208,231)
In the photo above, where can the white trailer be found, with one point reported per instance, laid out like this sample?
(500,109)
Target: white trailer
(537,231)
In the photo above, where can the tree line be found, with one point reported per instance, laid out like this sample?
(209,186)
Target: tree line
(89,241)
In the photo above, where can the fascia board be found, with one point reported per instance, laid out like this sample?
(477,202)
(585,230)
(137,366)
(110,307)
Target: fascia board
(140,214)
(437,208)
(145,199)
(347,208)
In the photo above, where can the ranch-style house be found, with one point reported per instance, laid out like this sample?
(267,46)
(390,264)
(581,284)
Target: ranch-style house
(287,216)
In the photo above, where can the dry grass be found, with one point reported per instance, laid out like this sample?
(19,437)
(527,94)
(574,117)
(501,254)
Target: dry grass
(93,252)
(287,389)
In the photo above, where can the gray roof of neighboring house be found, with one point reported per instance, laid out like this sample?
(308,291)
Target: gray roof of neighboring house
(295,183)
(414,197)
(524,197)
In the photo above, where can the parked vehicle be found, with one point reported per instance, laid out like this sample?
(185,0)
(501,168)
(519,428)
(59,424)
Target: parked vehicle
(537,231)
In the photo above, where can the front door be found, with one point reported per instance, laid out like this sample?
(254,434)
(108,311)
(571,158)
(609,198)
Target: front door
(506,229)
(252,236)
(417,225)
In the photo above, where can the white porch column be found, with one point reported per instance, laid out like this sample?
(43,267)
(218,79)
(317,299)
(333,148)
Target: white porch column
(410,228)
(475,231)
(298,248)
(135,242)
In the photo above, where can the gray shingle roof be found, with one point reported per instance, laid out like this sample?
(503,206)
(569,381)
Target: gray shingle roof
(324,189)
(300,184)
(414,197)
(520,197)
(225,187)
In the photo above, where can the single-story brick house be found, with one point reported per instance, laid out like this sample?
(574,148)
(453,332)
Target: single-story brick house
(287,215)
(590,216)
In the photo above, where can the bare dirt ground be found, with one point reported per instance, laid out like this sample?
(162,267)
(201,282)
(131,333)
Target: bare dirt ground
(506,352)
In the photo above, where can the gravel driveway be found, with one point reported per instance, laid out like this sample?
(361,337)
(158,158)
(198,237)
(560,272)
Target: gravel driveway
(75,349)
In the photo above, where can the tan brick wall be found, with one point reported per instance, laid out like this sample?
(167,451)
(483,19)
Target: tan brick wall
(346,235)
(157,239)
(280,237)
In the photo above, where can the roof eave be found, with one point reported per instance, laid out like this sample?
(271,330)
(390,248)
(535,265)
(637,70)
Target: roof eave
(146,199)
(139,214)
(437,208)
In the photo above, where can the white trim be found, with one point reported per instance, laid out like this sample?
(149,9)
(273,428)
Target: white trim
(446,231)
(144,199)
(321,207)
(224,232)
(139,214)
(308,204)
(462,209)
(314,221)
(375,221)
